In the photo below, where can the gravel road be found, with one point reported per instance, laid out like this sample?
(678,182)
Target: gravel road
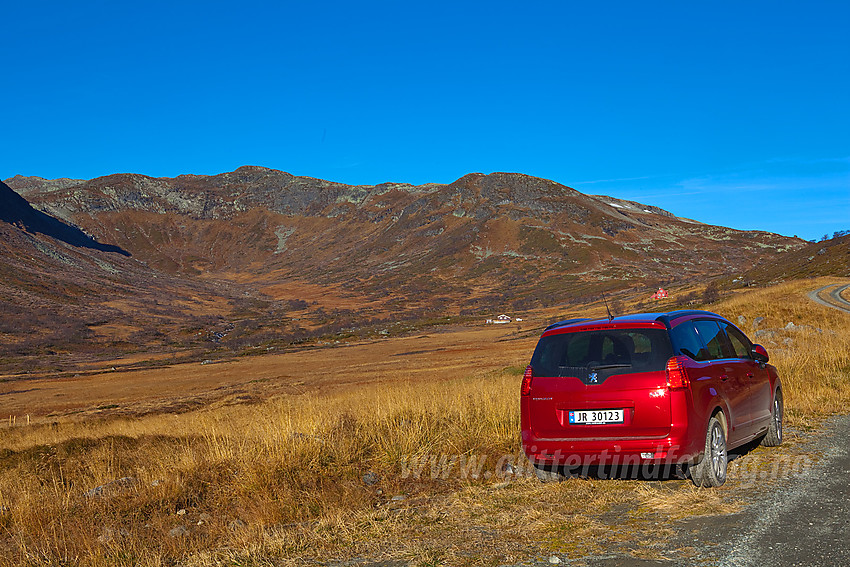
(801,520)
(833,299)
(806,523)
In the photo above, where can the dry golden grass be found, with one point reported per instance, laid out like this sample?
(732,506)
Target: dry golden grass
(684,502)
(283,480)
(291,460)
(430,357)
(813,361)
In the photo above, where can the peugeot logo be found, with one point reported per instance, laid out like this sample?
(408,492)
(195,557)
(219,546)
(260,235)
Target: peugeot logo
(593,377)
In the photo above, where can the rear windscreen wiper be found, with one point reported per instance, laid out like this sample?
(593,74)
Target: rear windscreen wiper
(607,366)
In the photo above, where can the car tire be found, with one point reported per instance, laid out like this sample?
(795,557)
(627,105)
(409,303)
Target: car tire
(711,470)
(549,473)
(773,438)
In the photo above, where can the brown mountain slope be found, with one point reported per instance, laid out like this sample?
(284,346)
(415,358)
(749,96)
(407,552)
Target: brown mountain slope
(826,258)
(283,257)
(66,298)
(514,233)
(62,305)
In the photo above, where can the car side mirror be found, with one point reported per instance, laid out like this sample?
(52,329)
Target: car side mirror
(759,353)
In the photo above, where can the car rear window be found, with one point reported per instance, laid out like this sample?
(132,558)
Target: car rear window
(632,350)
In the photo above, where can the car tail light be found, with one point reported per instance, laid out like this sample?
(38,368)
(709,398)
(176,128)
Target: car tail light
(677,375)
(525,389)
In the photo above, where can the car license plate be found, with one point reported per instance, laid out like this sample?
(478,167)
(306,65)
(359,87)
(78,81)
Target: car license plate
(596,416)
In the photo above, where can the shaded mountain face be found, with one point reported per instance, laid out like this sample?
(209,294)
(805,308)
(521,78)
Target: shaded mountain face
(14,209)
(325,257)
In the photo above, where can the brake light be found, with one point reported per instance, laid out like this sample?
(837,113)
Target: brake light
(677,375)
(525,389)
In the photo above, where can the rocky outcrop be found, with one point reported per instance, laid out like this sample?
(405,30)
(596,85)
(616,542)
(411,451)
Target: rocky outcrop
(23,185)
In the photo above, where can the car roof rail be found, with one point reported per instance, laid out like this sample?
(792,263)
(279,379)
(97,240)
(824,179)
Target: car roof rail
(666,317)
(566,322)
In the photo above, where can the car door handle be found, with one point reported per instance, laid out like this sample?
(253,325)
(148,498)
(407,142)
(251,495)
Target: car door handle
(750,375)
(724,377)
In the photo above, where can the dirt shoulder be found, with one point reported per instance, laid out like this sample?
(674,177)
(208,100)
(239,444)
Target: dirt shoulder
(803,521)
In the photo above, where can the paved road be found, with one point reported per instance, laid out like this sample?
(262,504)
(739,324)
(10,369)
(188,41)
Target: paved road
(833,299)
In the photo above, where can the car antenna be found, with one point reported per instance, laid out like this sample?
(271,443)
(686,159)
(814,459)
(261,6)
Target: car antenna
(610,317)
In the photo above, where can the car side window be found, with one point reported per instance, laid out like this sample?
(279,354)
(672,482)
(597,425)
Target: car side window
(687,341)
(716,344)
(740,344)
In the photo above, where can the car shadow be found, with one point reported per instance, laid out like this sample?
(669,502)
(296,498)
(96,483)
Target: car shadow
(741,451)
(646,471)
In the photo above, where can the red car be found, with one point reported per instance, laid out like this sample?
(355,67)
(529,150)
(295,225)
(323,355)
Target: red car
(647,390)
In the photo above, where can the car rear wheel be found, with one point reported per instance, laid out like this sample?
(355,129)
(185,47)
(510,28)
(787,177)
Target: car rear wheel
(711,470)
(774,431)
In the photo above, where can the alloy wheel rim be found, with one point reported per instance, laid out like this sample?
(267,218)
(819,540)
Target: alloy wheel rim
(777,417)
(718,452)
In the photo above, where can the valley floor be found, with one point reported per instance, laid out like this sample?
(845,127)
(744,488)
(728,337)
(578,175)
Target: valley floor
(440,354)
(393,452)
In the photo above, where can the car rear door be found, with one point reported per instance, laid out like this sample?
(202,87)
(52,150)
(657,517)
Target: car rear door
(732,381)
(760,398)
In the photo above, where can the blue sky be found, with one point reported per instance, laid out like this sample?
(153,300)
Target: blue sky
(733,113)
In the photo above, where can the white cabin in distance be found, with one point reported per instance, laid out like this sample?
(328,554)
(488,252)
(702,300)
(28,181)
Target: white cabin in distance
(501,320)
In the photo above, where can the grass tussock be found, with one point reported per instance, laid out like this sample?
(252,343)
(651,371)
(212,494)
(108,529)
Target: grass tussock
(316,474)
(685,502)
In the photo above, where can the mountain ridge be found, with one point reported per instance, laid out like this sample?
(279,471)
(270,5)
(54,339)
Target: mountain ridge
(323,256)
(276,222)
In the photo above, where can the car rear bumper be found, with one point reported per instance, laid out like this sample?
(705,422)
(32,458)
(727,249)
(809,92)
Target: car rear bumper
(671,449)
